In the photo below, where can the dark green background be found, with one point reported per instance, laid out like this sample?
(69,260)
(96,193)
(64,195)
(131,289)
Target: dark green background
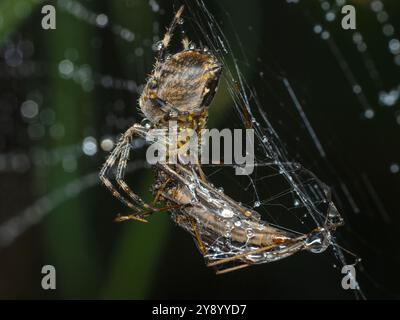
(96,258)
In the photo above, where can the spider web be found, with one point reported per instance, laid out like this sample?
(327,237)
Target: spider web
(292,197)
(281,189)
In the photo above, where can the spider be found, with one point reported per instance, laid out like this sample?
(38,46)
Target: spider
(180,88)
(229,235)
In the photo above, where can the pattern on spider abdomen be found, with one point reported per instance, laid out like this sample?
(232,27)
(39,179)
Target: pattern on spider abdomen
(185,77)
(183,84)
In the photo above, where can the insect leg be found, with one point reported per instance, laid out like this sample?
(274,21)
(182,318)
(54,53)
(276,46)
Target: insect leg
(143,214)
(201,173)
(160,191)
(197,235)
(241,266)
(296,245)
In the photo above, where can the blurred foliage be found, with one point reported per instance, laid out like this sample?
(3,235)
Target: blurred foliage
(96,258)
(68,237)
(13,13)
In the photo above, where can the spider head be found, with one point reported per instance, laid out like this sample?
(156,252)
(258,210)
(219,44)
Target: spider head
(184,84)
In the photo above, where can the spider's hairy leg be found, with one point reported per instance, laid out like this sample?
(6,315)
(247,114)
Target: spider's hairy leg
(108,165)
(145,209)
(168,35)
(123,162)
(185,41)
(121,154)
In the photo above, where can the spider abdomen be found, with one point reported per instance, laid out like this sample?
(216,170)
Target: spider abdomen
(184,83)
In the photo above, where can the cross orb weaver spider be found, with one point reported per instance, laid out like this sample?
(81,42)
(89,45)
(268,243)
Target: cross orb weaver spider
(180,88)
(229,235)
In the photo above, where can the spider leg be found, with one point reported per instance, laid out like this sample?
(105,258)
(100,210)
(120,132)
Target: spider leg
(109,164)
(168,35)
(140,214)
(185,41)
(121,174)
(121,154)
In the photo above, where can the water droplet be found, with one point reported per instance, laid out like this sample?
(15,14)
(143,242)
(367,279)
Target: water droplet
(377,5)
(154,6)
(388,30)
(66,68)
(89,146)
(227,213)
(249,233)
(159,45)
(238,223)
(325,35)
(102,20)
(382,16)
(318,241)
(317,28)
(394,46)
(13,56)
(146,123)
(369,114)
(107,144)
(330,16)
(357,89)
(29,109)
(394,168)
(389,99)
